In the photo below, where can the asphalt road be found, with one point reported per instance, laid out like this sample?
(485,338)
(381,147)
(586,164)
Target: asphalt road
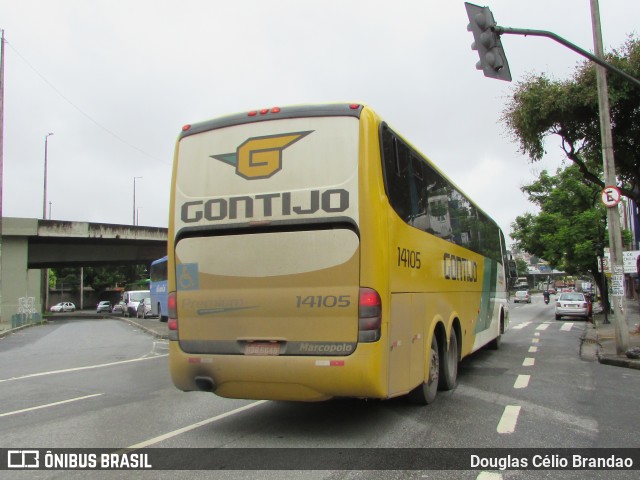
(104,384)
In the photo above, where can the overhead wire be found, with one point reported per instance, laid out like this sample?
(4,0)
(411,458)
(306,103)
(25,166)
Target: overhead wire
(82,112)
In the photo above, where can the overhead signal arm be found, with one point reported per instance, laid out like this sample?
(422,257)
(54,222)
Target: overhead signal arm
(493,61)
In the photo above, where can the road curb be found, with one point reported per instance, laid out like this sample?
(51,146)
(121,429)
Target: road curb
(150,331)
(617,361)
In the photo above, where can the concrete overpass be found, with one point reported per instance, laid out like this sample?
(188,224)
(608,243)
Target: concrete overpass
(29,245)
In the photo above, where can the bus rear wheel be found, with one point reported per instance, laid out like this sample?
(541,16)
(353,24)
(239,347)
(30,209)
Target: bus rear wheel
(449,364)
(425,393)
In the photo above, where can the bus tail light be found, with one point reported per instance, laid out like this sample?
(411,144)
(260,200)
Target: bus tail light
(172,322)
(369,315)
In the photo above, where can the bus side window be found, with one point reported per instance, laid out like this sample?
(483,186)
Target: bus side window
(397,173)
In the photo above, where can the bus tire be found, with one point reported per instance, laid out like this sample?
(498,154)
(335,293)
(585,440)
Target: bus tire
(425,393)
(449,364)
(495,343)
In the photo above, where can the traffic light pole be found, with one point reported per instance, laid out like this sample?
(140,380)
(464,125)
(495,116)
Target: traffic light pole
(613,216)
(543,33)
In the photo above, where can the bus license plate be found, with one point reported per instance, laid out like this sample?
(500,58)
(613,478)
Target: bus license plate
(262,349)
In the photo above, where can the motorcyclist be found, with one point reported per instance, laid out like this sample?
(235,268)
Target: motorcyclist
(545,294)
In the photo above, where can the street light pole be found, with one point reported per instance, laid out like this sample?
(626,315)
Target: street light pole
(134,200)
(44,201)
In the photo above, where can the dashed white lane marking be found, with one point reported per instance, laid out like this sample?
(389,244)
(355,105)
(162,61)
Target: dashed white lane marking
(533,349)
(528,362)
(535,340)
(509,419)
(489,476)
(193,426)
(520,326)
(567,326)
(49,405)
(522,381)
(585,424)
(544,326)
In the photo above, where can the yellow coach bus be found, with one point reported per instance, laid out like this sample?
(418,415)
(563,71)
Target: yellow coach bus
(314,253)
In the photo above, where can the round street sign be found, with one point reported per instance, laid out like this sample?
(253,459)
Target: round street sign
(610,196)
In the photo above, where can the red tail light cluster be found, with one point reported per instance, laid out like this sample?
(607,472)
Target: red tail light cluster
(172,322)
(369,315)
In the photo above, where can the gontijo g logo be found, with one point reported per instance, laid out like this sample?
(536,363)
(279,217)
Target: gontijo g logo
(260,157)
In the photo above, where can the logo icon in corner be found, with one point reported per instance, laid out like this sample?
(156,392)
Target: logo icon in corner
(260,157)
(187,276)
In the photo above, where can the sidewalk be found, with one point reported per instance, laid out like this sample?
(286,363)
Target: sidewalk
(599,339)
(152,326)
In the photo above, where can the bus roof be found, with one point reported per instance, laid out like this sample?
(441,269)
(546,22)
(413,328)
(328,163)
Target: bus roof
(276,113)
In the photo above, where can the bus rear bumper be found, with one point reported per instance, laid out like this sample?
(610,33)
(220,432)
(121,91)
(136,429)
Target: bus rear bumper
(295,378)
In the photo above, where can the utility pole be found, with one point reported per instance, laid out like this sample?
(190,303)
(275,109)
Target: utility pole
(493,62)
(609,167)
(1,152)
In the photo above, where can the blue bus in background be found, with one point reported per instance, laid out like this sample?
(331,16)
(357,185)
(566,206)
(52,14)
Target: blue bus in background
(158,287)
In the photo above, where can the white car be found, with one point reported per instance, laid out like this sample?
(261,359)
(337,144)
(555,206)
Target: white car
(63,307)
(573,304)
(522,296)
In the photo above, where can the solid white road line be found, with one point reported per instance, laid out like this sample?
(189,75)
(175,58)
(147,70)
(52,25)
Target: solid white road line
(50,405)
(193,426)
(509,419)
(77,369)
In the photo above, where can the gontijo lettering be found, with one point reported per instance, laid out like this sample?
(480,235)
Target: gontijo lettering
(265,205)
(458,268)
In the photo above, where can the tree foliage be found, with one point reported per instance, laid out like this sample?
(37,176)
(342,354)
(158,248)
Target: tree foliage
(570,223)
(100,278)
(542,107)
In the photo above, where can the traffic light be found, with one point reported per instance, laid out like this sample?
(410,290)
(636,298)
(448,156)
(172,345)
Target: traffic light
(493,61)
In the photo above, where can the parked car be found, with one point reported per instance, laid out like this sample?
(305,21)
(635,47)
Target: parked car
(131,298)
(118,308)
(573,304)
(63,307)
(144,308)
(103,306)
(522,296)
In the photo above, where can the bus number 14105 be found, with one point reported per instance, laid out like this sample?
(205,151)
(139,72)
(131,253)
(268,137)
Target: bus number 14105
(408,258)
(323,301)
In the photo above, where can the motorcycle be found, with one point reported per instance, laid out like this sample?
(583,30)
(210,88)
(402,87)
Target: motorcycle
(546,297)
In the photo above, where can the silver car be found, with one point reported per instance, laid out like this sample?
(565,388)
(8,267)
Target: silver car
(572,304)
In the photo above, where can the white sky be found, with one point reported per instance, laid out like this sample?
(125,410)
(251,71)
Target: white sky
(115,80)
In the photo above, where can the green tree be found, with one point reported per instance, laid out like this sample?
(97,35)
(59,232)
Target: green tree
(542,107)
(101,278)
(569,226)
